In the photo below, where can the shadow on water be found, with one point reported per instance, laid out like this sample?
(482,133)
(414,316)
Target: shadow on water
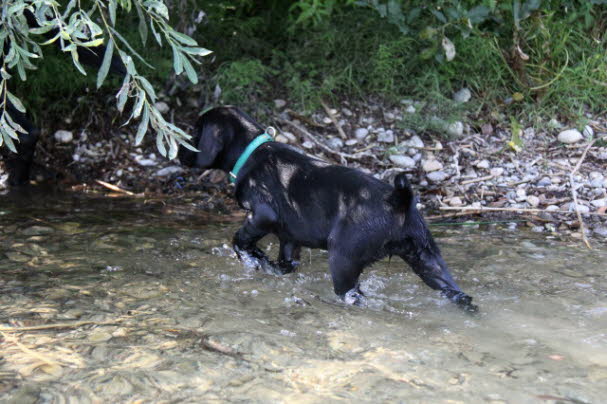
(114,300)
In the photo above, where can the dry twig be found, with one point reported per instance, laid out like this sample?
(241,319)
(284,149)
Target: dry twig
(574,194)
(492,209)
(114,187)
(313,138)
(480,179)
(341,132)
(75,324)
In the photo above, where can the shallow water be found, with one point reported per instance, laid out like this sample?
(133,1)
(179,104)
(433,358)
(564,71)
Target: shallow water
(145,302)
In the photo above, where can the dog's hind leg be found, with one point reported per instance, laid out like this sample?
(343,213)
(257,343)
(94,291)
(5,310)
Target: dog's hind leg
(288,257)
(257,225)
(433,270)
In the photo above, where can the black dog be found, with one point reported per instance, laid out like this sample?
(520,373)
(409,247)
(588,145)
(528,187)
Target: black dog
(308,202)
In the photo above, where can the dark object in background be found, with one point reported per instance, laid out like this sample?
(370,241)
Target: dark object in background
(18,165)
(307,202)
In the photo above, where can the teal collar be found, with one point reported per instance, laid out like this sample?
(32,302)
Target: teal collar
(258,141)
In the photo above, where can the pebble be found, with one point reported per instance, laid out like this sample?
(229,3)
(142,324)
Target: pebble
(570,136)
(462,96)
(402,161)
(64,136)
(410,109)
(335,143)
(37,231)
(307,144)
(386,137)
(533,201)
(544,182)
(326,120)
(521,195)
(455,129)
(588,132)
(361,133)
(554,124)
(469,172)
(99,336)
(415,141)
(351,142)
(280,104)
(292,138)
(347,112)
(431,165)
(596,179)
(497,171)
(389,117)
(483,164)
(437,176)
(162,107)
(487,129)
(601,230)
(280,138)
(170,170)
(599,202)
(455,201)
(17,256)
(583,209)
(552,208)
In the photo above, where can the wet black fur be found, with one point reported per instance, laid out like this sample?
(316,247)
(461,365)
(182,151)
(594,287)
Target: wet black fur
(309,203)
(18,164)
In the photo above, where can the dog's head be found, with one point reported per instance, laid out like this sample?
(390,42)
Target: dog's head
(220,135)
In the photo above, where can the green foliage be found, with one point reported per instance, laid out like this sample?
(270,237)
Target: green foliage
(242,77)
(550,53)
(90,25)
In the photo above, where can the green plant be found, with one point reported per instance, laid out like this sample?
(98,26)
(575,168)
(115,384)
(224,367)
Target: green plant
(90,25)
(242,78)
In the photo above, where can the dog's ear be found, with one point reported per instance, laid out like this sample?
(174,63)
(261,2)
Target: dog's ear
(209,141)
(402,197)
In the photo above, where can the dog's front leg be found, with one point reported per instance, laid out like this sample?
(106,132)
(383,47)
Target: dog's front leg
(345,271)
(288,257)
(257,225)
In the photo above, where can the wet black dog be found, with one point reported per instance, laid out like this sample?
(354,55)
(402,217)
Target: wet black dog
(308,202)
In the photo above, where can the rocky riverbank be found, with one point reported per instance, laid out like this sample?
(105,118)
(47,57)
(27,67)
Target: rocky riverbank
(535,175)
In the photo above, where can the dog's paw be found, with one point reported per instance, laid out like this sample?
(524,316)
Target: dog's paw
(355,297)
(286,267)
(255,259)
(465,302)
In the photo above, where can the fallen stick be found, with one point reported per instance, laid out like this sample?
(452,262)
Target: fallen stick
(305,119)
(46,360)
(492,209)
(318,142)
(574,194)
(341,132)
(488,177)
(114,187)
(75,324)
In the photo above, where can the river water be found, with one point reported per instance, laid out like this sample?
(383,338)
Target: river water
(122,300)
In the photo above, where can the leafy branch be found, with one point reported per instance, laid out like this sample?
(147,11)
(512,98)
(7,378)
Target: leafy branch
(73,29)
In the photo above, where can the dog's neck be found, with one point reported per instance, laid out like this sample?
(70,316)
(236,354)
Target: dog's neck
(234,149)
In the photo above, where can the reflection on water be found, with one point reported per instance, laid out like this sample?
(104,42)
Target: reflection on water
(120,301)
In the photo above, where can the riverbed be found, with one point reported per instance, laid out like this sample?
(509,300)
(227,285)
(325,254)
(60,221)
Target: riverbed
(132,300)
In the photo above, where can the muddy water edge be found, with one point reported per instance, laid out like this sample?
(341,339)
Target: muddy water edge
(126,300)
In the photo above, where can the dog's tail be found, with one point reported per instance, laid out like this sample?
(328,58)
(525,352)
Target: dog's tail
(402,197)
